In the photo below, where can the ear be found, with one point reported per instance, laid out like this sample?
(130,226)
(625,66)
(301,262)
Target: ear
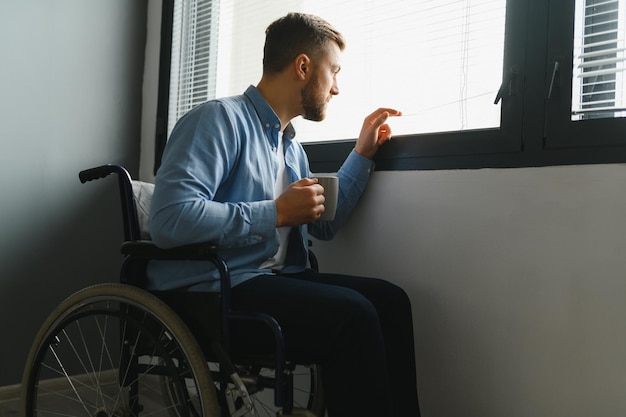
(302,66)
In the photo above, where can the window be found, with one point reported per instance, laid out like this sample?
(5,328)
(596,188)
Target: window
(585,85)
(599,60)
(217,51)
(482,83)
(193,65)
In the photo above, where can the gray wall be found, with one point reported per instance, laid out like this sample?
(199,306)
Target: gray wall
(70,98)
(517,278)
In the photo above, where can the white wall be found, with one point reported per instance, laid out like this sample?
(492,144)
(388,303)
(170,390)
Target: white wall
(517,282)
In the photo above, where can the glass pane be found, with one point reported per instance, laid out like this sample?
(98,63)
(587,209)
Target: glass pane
(598,83)
(438,61)
(193,62)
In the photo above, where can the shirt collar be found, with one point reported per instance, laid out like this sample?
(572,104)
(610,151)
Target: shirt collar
(266,114)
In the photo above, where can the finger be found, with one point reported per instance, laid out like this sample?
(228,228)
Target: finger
(319,190)
(305,182)
(380,119)
(384,133)
(392,112)
(384,113)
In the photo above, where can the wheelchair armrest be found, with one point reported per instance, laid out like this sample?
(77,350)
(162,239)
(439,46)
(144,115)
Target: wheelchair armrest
(146,249)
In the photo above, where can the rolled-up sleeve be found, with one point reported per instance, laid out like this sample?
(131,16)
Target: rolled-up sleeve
(353,176)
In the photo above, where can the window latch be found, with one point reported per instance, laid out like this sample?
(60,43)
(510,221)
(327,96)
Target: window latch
(554,81)
(508,86)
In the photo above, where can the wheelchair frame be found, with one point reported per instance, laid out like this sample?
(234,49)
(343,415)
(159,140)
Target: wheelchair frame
(130,296)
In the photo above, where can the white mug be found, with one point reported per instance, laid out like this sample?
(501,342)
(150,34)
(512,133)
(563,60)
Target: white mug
(330,182)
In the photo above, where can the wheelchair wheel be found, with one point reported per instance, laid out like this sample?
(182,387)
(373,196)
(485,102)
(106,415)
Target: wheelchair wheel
(105,351)
(258,399)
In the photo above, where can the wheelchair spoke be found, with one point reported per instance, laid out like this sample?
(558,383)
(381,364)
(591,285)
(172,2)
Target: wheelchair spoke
(116,351)
(112,347)
(68,378)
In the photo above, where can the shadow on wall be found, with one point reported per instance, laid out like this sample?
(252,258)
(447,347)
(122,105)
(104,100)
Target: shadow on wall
(44,263)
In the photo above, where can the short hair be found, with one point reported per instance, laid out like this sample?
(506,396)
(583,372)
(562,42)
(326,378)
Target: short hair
(295,34)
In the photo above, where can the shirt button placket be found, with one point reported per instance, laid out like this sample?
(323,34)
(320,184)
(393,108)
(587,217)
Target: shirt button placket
(269,134)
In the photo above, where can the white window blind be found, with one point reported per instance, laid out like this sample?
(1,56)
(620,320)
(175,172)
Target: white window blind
(438,61)
(599,81)
(194,43)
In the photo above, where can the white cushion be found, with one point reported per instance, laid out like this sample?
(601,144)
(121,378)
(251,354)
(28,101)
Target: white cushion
(142,191)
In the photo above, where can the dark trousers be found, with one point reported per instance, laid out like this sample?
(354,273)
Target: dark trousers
(358,329)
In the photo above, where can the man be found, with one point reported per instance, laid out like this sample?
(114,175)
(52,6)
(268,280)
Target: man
(233,175)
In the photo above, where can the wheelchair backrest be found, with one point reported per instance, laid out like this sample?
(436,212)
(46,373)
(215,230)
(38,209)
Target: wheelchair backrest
(135,197)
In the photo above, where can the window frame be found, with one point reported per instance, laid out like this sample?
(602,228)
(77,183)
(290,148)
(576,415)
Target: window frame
(534,131)
(561,132)
(163,93)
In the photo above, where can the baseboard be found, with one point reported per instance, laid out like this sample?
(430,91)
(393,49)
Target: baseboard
(10,392)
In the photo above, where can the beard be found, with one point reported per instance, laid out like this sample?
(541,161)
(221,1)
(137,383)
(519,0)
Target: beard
(313,102)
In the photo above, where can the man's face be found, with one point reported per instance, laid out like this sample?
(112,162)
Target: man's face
(322,85)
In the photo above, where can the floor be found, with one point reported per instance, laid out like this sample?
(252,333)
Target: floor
(10,402)
(9,407)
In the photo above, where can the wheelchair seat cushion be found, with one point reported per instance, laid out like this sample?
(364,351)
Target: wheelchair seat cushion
(142,191)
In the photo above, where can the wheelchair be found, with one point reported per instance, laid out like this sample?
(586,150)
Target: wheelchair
(118,350)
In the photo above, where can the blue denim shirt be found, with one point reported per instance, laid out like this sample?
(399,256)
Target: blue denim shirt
(216,185)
